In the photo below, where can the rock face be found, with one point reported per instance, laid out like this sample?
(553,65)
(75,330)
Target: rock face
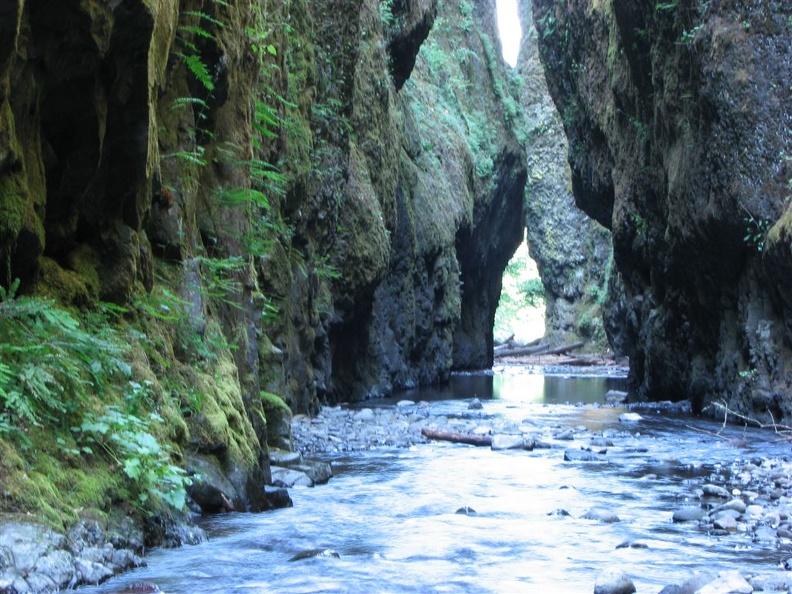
(572,252)
(304,205)
(677,116)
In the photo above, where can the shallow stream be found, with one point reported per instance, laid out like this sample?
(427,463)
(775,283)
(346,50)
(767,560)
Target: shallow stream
(390,513)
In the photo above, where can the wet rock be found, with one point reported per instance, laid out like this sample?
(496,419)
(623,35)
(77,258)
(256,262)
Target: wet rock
(582,456)
(565,435)
(465,510)
(630,417)
(632,544)
(286,477)
(715,491)
(280,457)
(475,404)
(600,442)
(319,472)
(141,588)
(615,396)
(559,512)
(765,535)
(737,505)
(315,553)
(725,522)
(689,514)
(727,582)
(601,515)
(507,442)
(277,497)
(92,572)
(613,581)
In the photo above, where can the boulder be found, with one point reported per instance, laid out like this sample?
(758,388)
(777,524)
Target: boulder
(613,581)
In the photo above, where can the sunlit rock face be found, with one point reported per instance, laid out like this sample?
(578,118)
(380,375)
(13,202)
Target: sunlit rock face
(677,116)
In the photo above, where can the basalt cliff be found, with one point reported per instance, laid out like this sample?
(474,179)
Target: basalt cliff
(216,214)
(678,119)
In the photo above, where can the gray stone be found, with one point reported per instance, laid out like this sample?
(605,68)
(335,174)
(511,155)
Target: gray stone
(92,572)
(689,514)
(715,491)
(58,565)
(725,522)
(284,457)
(615,396)
(727,582)
(318,472)
(507,442)
(613,581)
(737,505)
(475,404)
(630,417)
(277,497)
(286,477)
(600,514)
(582,456)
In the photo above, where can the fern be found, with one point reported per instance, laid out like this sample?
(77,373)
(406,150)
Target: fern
(199,70)
(52,364)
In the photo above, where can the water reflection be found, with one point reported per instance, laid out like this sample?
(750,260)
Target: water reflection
(519,388)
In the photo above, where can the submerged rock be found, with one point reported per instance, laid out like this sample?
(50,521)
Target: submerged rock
(310,554)
(613,581)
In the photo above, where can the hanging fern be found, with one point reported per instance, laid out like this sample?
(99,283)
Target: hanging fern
(199,70)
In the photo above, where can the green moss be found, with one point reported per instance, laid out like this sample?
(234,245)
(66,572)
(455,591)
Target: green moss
(276,412)
(65,286)
(222,421)
(53,485)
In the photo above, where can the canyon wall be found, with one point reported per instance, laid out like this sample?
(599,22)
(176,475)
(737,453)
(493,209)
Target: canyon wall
(253,209)
(678,118)
(573,252)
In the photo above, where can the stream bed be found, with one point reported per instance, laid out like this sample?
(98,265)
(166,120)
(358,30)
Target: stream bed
(391,513)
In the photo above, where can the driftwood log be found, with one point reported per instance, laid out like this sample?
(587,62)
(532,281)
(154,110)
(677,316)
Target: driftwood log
(541,349)
(468,438)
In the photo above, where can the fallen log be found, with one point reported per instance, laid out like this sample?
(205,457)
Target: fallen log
(562,350)
(467,438)
(521,351)
(541,349)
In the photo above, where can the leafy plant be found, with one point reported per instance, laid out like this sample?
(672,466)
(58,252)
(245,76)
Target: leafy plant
(129,441)
(51,364)
(756,230)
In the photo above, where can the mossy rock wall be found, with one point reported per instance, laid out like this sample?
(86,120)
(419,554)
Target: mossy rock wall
(675,114)
(573,252)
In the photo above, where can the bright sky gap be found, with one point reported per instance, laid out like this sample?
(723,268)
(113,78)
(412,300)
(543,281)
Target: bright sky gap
(510,30)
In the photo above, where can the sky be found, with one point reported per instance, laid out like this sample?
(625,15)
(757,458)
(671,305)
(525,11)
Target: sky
(510,30)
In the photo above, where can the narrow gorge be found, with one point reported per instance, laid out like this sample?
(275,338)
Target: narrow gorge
(215,215)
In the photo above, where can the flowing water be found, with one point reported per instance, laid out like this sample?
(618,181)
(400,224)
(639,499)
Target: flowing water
(390,513)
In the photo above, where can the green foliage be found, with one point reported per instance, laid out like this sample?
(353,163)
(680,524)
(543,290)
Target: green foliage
(128,440)
(756,230)
(196,65)
(51,364)
(522,298)
(387,17)
(666,6)
(220,277)
(689,35)
(532,291)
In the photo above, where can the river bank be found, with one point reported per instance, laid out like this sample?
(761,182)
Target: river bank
(604,494)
